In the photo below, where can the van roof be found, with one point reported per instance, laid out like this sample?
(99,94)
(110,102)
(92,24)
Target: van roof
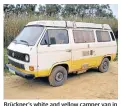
(69,24)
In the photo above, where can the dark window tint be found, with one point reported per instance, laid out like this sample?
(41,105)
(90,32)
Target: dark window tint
(45,39)
(112,36)
(81,36)
(58,36)
(103,36)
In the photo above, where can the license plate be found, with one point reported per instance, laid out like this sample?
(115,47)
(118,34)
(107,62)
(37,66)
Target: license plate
(12,71)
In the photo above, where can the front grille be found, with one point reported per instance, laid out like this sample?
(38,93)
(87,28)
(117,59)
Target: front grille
(16,55)
(16,64)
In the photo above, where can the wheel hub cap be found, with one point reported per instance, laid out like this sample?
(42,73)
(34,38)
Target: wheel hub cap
(59,76)
(105,65)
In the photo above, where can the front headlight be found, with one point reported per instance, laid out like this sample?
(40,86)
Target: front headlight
(27,58)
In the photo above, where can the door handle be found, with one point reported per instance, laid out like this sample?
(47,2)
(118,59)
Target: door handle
(68,50)
(92,52)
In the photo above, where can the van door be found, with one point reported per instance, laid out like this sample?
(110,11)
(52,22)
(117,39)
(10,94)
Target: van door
(54,48)
(83,55)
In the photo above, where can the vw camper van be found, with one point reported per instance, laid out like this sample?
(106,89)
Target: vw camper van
(55,48)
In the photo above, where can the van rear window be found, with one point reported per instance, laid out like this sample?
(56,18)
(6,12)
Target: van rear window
(83,36)
(103,36)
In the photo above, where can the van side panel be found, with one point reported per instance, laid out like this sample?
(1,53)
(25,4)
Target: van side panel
(81,58)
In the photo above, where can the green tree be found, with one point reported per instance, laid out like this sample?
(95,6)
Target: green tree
(52,9)
(69,9)
(42,9)
(65,10)
(29,8)
(9,8)
(18,9)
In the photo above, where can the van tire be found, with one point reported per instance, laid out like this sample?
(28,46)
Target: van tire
(58,76)
(104,65)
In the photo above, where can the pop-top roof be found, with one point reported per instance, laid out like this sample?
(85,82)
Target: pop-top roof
(69,24)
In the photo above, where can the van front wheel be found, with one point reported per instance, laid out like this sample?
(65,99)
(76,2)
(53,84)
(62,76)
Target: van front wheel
(58,76)
(104,65)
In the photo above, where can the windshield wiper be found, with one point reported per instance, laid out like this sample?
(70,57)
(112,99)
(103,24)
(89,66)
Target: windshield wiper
(25,42)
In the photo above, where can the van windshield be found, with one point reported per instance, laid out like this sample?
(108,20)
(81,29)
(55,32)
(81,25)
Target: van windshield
(29,35)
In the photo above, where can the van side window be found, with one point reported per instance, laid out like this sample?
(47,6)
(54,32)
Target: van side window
(58,36)
(45,39)
(112,36)
(83,36)
(103,36)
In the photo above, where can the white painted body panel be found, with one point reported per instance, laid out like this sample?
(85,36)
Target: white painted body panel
(48,23)
(48,56)
(69,24)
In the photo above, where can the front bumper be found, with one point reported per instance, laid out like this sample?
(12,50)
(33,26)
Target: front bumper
(19,73)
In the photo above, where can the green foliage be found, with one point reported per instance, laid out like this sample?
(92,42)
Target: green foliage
(52,9)
(9,8)
(80,10)
(5,59)
(69,9)
(19,8)
(5,56)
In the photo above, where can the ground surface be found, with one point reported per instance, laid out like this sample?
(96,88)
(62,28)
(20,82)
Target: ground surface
(89,85)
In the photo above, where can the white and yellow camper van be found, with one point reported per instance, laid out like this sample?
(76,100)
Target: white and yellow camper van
(56,48)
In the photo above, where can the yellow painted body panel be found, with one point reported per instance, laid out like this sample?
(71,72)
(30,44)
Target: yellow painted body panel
(73,65)
(92,62)
(40,73)
(113,56)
